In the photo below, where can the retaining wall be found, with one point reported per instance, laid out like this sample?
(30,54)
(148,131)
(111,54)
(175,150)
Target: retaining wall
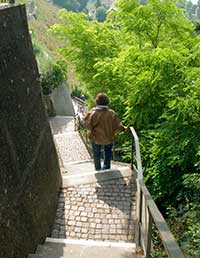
(29,172)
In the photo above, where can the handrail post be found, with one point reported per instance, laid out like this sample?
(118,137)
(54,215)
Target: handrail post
(138,157)
(149,236)
(75,123)
(140,217)
(132,150)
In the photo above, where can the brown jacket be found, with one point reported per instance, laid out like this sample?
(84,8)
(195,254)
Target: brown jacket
(102,125)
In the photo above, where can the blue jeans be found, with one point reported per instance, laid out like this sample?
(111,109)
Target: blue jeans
(96,148)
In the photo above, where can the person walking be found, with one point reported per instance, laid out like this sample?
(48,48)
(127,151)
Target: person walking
(102,123)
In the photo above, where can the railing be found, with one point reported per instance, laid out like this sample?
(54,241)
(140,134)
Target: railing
(80,108)
(148,214)
(80,105)
(83,133)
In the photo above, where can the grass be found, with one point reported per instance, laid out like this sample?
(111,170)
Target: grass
(47,15)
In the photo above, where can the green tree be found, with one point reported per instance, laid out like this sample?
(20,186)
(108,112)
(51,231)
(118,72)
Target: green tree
(87,43)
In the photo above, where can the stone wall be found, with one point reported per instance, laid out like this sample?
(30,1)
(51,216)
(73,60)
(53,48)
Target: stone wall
(29,172)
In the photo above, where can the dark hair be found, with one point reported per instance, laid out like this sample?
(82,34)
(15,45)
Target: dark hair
(102,99)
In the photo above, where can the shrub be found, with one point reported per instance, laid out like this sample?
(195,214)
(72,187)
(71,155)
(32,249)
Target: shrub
(53,77)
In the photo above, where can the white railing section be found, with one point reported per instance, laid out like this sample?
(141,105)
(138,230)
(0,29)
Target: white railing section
(138,156)
(147,213)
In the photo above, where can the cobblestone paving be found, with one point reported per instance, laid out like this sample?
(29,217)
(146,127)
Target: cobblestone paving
(100,211)
(62,124)
(71,147)
(68,142)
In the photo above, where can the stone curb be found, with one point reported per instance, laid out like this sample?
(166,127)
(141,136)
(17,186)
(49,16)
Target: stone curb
(95,177)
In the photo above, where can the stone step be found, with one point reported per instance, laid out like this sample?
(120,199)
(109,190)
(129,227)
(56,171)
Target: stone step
(84,173)
(66,248)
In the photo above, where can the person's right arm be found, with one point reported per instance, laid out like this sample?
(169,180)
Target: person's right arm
(117,125)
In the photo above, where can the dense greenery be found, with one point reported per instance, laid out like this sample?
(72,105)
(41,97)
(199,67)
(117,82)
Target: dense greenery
(147,59)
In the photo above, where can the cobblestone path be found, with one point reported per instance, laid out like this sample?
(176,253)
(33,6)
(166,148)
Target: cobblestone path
(97,211)
(68,142)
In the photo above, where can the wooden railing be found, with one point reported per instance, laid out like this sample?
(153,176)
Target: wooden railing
(148,214)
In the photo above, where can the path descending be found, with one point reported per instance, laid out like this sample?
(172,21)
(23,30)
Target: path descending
(96,210)
(68,141)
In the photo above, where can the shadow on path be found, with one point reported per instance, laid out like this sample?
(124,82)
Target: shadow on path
(116,192)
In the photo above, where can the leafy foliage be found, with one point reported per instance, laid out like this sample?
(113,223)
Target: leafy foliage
(186,218)
(52,72)
(53,77)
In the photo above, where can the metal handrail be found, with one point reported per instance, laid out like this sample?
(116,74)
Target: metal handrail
(138,156)
(78,99)
(147,213)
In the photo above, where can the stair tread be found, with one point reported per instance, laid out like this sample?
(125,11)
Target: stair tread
(58,250)
(85,174)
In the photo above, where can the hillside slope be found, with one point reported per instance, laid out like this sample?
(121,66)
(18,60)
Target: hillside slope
(41,15)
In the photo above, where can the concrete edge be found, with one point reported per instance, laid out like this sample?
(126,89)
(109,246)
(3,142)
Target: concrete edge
(77,162)
(95,177)
(122,170)
(60,117)
(90,243)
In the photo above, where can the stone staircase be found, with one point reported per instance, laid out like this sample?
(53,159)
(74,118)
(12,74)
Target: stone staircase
(96,210)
